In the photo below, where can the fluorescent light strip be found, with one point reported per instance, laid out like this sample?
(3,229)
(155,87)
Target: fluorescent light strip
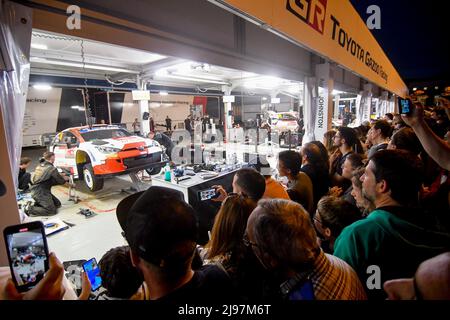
(42,86)
(194,79)
(203,77)
(39,46)
(80,65)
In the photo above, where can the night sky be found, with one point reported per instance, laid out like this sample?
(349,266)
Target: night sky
(415,35)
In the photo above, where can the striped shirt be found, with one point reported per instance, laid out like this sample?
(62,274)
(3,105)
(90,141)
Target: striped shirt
(332,279)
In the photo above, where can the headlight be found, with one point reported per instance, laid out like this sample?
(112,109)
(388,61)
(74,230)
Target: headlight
(107,150)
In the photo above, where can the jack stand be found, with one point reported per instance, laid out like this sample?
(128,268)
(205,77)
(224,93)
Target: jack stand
(137,184)
(72,190)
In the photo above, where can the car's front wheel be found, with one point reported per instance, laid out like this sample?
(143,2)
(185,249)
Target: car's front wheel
(154,170)
(92,182)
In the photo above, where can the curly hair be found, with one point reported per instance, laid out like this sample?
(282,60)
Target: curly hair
(119,277)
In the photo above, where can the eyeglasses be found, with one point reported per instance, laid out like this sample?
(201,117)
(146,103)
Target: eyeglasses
(317,220)
(247,242)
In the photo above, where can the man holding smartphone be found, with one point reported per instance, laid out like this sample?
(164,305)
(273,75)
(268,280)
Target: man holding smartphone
(43,179)
(436,147)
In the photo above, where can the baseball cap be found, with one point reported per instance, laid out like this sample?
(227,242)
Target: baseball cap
(156,221)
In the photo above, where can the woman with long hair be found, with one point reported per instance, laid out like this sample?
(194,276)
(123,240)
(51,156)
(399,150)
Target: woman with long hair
(328,141)
(225,245)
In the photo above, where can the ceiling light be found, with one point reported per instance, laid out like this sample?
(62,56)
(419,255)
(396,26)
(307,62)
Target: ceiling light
(264,98)
(161,72)
(42,86)
(39,46)
(75,107)
(183,67)
(80,65)
(171,76)
(414,89)
(163,93)
(265,82)
(425,88)
(82,109)
(436,88)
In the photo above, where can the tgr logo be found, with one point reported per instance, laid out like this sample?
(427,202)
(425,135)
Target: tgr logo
(310,11)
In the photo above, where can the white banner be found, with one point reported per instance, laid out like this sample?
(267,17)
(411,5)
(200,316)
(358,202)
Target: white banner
(321,104)
(41,114)
(358,109)
(321,100)
(366,104)
(309,109)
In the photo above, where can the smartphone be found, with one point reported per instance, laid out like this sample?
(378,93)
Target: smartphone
(208,194)
(74,269)
(305,292)
(93,273)
(406,106)
(26,246)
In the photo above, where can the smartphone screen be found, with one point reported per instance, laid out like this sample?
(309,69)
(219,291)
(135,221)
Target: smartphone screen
(305,292)
(207,194)
(405,106)
(93,273)
(27,253)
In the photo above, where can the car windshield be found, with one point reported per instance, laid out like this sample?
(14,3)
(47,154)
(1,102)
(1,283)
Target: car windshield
(286,116)
(104,134)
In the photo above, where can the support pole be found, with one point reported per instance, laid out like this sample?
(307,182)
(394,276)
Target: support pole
(143,107)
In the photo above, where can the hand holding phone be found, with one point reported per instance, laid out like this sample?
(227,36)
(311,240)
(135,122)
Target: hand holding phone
(208,194)
(221,193)
(411,113)
(51,287)
(92,271)
(406,106)
(26,246)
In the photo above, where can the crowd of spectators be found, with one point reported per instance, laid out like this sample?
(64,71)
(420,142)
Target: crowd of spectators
(360,218)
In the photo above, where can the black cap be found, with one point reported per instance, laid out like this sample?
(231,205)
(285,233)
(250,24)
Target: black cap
(156,222)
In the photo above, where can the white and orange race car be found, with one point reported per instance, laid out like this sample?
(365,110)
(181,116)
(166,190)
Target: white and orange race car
(102,151)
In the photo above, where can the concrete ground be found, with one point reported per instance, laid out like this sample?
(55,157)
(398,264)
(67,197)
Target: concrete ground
(92,237)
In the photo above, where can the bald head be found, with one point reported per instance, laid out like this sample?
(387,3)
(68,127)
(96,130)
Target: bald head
(431,281)
(433,278)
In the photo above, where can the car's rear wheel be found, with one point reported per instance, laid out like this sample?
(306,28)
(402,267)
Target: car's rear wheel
(92,182)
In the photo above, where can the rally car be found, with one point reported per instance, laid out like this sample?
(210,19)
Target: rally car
(282,121)
(102,151)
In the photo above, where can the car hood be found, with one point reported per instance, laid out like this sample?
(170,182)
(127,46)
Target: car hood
(125,143)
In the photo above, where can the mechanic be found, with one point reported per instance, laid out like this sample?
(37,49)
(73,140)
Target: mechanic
(24,176)
(164,140)
(136,126)
(168,123)
(43,179)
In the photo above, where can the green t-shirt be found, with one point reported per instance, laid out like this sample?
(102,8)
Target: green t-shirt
(394,240)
